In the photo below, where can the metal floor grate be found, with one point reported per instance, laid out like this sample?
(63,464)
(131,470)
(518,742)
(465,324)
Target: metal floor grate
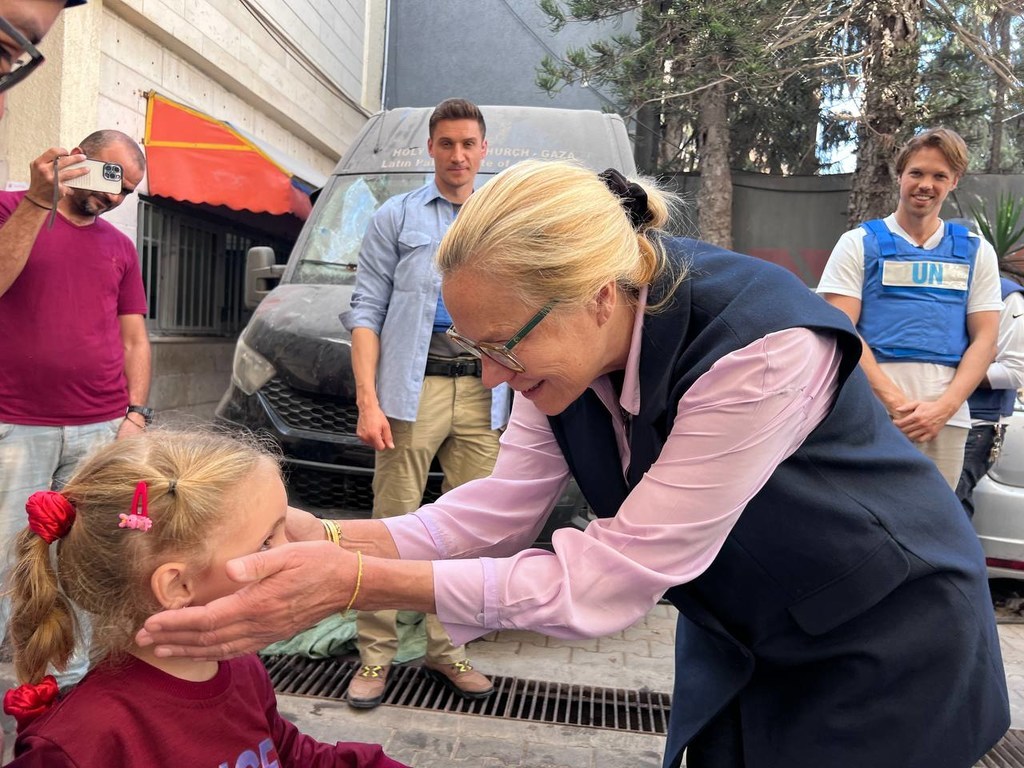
(1008,753)
(617,709)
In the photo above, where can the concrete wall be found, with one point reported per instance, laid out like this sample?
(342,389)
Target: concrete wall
(486,51)
(302,75)
(300,87)
(57,106)
(193,374)
(795,220)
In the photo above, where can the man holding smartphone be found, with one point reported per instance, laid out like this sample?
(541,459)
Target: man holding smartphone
(75,356)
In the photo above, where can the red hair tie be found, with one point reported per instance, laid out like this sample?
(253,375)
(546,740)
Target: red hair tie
(28,701)
(50,515)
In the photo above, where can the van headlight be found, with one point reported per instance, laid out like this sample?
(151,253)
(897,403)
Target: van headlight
(250,370)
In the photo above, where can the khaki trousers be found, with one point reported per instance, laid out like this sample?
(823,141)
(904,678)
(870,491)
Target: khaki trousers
(947,451)
(453,422)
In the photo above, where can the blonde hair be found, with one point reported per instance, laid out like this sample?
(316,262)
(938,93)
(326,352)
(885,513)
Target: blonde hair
(554,231)
(948,142)
(105,570)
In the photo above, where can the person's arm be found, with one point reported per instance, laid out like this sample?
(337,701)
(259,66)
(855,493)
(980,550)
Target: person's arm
(734,426)
(378,259)
(1007,370)
(371,537)
(885,389)
(842,286)
(137,369)
(372,426)
(922,420)
(18,234)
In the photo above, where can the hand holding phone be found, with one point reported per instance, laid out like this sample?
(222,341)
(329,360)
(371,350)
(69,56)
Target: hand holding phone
(101,177)
(41,171)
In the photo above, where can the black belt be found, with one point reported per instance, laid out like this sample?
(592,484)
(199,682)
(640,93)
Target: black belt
(453,367)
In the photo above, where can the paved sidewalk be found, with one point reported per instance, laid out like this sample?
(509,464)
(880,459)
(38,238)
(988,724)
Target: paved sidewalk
(1011,641)
(639,657)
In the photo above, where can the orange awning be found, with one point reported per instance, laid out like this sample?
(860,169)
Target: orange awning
(196,158)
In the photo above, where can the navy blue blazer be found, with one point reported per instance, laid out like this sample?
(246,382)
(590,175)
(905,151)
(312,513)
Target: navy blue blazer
(848,614)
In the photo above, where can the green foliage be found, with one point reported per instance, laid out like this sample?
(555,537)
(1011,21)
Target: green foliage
(786,62)
(962,44)
(681,48)
(1005,231)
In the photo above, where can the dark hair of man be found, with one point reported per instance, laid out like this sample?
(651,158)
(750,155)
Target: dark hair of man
(98,140)
(457,109)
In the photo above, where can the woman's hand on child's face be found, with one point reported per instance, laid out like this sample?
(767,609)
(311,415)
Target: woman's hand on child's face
(287,589)
(302,526)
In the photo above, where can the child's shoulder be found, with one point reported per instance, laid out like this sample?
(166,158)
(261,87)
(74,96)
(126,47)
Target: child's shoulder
(85,715)
(106,685)
(120,706)
(251,669)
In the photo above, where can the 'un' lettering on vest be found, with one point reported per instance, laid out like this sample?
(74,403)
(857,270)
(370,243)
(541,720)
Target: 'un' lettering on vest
(926,274)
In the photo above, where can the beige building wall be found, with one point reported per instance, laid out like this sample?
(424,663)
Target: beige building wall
(298,74)
(301,75)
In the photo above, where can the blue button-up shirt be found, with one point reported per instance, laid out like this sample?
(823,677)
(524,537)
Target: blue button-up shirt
(396,294)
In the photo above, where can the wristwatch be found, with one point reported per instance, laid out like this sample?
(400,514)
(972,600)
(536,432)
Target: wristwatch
(145,412)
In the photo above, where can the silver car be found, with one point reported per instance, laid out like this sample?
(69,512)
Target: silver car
(999,505)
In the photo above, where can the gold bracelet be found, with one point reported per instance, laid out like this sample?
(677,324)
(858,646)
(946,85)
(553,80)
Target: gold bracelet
(332,530)
(359,580)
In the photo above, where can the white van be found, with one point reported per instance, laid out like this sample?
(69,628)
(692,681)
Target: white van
(292,375)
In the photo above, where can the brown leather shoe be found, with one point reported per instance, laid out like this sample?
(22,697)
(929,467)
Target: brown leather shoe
(461,678)
(366,690)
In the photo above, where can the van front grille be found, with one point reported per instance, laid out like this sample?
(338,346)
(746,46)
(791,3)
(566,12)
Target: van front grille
(340,490)
(331,490)
(313,412)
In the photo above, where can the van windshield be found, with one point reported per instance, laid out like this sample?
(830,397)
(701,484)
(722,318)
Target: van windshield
(330,252)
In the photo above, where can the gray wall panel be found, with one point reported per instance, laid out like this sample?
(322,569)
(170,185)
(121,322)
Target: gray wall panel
(486,51)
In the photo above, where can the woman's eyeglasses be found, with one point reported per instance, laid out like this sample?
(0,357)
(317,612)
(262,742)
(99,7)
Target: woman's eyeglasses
(501,353)
(22,67)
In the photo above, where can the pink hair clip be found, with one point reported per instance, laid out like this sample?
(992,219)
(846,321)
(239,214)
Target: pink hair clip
(139,518)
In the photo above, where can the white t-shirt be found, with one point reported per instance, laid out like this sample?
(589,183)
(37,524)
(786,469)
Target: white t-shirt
(1007,370)
(844,275)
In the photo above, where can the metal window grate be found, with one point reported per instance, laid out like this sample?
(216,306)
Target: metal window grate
(1008,753)
(194,270)
(638,711)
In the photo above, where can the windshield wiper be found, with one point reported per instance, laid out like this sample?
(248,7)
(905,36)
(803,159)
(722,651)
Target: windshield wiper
(349,265)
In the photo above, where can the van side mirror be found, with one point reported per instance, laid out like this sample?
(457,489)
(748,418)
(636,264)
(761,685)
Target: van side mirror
(262,274)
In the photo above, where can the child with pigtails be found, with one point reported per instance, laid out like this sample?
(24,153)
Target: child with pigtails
(144,524)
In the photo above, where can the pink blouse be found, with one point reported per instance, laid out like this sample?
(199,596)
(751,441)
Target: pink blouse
(737,422)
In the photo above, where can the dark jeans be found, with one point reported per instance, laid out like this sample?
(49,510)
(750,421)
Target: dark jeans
(980,453)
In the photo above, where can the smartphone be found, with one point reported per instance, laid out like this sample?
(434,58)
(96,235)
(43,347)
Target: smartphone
(102,177)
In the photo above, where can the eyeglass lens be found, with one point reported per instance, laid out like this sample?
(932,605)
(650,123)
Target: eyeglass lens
(21,67)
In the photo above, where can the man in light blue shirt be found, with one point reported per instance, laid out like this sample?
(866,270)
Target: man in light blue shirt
(419,395)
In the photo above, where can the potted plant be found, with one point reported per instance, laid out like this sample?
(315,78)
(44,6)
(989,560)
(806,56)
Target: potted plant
(1004,231)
